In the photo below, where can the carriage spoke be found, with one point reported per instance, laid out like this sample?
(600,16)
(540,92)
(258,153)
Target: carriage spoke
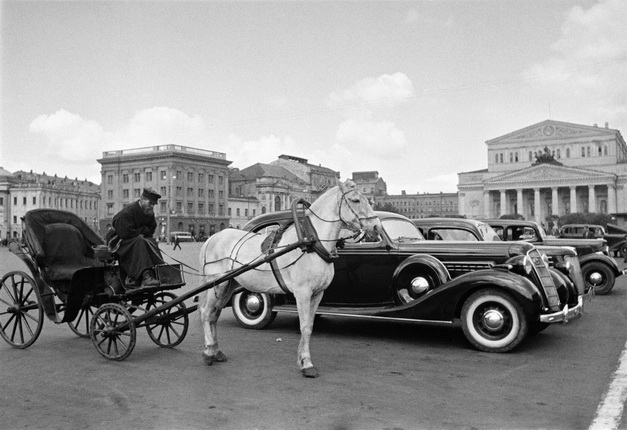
(162,331)
(112,342)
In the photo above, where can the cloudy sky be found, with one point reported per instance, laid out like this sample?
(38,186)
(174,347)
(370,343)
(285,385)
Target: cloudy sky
(409,89)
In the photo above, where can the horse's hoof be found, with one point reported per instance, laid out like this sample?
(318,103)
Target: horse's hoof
(310,372)
(210,359)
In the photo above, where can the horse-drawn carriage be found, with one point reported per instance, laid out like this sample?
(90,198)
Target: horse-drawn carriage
(74,279)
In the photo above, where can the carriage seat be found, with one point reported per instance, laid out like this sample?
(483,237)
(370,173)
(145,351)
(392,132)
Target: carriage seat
(65,252)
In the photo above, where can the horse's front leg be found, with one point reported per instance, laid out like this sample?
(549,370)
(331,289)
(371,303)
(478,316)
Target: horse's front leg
(307,306)
(211,304)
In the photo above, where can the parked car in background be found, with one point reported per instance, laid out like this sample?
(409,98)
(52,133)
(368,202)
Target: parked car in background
(479,231)
(182,236)
(498,292)
(597,266)
(615,236)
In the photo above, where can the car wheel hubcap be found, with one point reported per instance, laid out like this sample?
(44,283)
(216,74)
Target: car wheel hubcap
(595,278)
(253,303)
(419,285)
(493,320)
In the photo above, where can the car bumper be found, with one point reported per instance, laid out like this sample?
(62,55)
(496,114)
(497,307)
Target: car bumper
(565,314)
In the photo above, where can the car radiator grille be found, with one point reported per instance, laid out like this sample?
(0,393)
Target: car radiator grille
(545,279)
(463,267)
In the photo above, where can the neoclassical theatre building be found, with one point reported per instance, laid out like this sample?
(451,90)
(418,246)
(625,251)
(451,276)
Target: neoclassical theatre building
(549,168)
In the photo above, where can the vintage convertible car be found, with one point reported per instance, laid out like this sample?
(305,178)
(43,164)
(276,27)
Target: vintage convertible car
(499,292)
(598,267)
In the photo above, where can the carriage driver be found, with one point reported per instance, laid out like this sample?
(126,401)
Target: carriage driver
(138,251)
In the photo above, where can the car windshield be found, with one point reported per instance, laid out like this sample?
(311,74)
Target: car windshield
(400,230)
(487,233)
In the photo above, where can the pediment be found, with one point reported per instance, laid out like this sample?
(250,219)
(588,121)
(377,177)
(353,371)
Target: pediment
(549,173)
(550,130)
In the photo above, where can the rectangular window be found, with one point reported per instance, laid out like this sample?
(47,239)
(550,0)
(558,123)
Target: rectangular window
(163,175)
(229,212)
(125,194)
(162,189)
(211,179)
(179,207)
(109,208)
(190,176)
(201,177)
(162,207)
(137,177)
(211,209)
(34,200)
(220,194)
(24,201)
(211,194)
(110,194)
(190,208)
(179,174)
(136,192)
(220,180)
(254,212)
(125,178)
(179,191)
(109,179)
(148,176)
(201,192)
(1,201)
(246,212)
(237,212)
(201,208)
(220,210)
(190,192)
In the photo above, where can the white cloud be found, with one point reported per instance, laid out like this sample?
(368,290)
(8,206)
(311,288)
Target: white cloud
(163,126)
(386,90)
(245,153)
(68,136)
(381,139)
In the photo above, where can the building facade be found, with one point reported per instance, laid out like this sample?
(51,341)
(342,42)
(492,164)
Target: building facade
(370,184)
(23,191)
(193,184)
(549,169)
(423,205)
(278,184)
(242,209)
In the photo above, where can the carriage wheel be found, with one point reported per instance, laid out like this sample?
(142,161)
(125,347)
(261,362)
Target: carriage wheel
(21,314)
(82,324)
(110,339)
(173,322)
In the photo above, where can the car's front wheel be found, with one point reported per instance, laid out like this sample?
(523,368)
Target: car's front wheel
(253,310)
(599,276)
(493,321)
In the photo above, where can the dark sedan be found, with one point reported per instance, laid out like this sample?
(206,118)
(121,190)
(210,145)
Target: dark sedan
(499,293)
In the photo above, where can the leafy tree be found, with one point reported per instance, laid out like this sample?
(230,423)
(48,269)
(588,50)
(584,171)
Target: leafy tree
(385,206)
(512,216)
(585,218)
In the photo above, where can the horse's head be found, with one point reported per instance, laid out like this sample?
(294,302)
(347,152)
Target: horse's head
(356,212)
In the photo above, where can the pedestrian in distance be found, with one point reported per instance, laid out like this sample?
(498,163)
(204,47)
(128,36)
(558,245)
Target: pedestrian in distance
(176,242)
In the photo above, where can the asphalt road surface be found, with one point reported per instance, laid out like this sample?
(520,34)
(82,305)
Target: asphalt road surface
(373,375)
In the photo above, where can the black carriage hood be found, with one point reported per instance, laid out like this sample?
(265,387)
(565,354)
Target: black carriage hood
(36,220)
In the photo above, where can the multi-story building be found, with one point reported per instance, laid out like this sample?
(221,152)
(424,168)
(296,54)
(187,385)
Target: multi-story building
(550,168)
(423,205)
(242,209)
(370,184)
(274,186)
(193,184)
(23,191)
(318,177)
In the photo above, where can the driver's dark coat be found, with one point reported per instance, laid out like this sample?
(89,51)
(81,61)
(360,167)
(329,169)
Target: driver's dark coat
(138,250)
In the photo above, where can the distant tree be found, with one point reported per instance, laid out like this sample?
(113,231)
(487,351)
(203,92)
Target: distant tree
(585,218)
(385,206)
(512,216)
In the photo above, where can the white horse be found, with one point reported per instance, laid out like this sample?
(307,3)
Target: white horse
(305,274)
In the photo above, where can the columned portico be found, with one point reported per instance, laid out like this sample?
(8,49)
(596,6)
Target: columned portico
(503,202)
(537,208)
(573,200)
(520,207)
(592,200)
(554,201)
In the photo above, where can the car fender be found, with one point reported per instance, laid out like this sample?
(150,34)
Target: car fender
(423,260)
(445,302)
(600,258)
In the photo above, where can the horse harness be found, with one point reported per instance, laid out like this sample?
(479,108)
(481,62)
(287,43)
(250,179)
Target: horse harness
(307,236)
